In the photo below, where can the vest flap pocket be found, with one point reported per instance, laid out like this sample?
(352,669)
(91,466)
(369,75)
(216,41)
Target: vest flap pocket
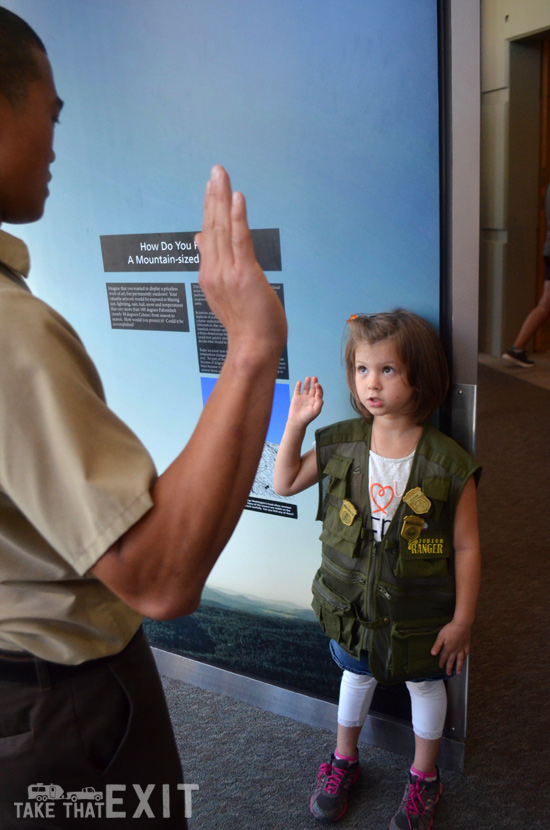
(426,556)
(342,537)
(337,468)
(436,487)
(412,641)
(329,598)
(334,611)
(427,546)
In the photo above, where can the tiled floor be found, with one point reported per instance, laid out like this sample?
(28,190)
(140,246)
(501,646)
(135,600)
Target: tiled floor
(538,375)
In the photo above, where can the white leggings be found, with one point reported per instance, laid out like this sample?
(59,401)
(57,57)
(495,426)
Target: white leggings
(428,703)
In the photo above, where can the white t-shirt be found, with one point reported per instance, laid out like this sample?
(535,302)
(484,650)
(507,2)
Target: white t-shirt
(388,479)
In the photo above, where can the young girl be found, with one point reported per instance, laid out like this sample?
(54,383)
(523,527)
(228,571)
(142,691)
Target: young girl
(397,588)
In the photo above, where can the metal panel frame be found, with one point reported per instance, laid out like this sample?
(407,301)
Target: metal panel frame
(379,730)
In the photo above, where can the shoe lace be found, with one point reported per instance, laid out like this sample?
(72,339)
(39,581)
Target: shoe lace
(334,777)
(416,805)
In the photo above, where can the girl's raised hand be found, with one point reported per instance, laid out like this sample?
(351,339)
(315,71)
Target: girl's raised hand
(306,402)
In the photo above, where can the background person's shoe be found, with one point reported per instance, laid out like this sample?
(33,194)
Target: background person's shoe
(519,357)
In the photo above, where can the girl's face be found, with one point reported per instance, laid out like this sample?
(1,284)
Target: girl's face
(381,380)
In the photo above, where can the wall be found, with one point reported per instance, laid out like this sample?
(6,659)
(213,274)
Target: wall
(509,165)
(327,116)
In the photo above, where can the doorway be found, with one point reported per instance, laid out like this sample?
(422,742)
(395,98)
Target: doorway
(528,178)
(542,337)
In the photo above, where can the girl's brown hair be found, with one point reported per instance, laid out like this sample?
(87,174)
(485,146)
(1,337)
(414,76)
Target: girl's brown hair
(418,348)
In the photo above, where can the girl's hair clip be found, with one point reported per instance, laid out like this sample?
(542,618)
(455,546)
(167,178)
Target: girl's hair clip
(353,317)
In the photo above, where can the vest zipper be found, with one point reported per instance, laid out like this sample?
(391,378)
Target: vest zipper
(342,573)
(372,577)
(329,597)
(391,592)
(381,590)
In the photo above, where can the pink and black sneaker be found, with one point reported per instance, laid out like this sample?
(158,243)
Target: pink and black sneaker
(418,805)
(329,802)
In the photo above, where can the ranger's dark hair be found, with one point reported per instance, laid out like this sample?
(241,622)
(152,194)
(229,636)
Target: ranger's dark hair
(18,66)
(418,348)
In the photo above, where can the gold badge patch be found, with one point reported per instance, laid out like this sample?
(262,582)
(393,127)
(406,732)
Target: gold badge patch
(347,513)
(417,500)
(412,525)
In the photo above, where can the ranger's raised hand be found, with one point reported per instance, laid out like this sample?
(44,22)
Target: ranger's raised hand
(235,286)
(159,566)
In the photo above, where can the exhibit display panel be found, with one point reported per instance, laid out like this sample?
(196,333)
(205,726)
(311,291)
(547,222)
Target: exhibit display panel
(329,118)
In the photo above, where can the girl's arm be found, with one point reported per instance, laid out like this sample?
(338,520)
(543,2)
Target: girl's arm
(453,641)
(295,472)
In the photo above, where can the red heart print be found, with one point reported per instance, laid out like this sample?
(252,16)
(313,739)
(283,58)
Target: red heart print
(381,494)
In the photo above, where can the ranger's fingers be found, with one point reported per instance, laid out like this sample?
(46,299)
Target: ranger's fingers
(220,191)
(206,239)
(242,247)
(215,239)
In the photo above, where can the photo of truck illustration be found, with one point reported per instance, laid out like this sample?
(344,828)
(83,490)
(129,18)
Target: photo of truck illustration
(85,794)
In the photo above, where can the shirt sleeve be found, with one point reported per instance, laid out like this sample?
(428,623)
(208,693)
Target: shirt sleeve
(67,462)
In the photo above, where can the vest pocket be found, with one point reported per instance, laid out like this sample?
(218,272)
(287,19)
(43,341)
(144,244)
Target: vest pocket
(341,529)
(343,538)
(411,642)
(424,557)
(437,489)
(337,468)
(335,612)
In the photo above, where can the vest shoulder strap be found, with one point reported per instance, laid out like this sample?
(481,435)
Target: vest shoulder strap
(343,432)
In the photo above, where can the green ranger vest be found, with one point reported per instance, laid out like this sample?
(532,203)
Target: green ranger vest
(392,597)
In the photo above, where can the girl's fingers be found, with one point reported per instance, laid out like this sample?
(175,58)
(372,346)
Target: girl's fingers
(310,387)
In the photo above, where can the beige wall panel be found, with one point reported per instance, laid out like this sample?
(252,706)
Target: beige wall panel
(525,17)
(491,294)
(494,34)
(494,160)
(502,21)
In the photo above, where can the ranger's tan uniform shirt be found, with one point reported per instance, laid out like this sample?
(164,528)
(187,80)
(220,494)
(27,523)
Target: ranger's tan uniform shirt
(73,479)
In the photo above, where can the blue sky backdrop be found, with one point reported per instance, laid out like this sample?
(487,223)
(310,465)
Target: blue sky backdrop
(325,115)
